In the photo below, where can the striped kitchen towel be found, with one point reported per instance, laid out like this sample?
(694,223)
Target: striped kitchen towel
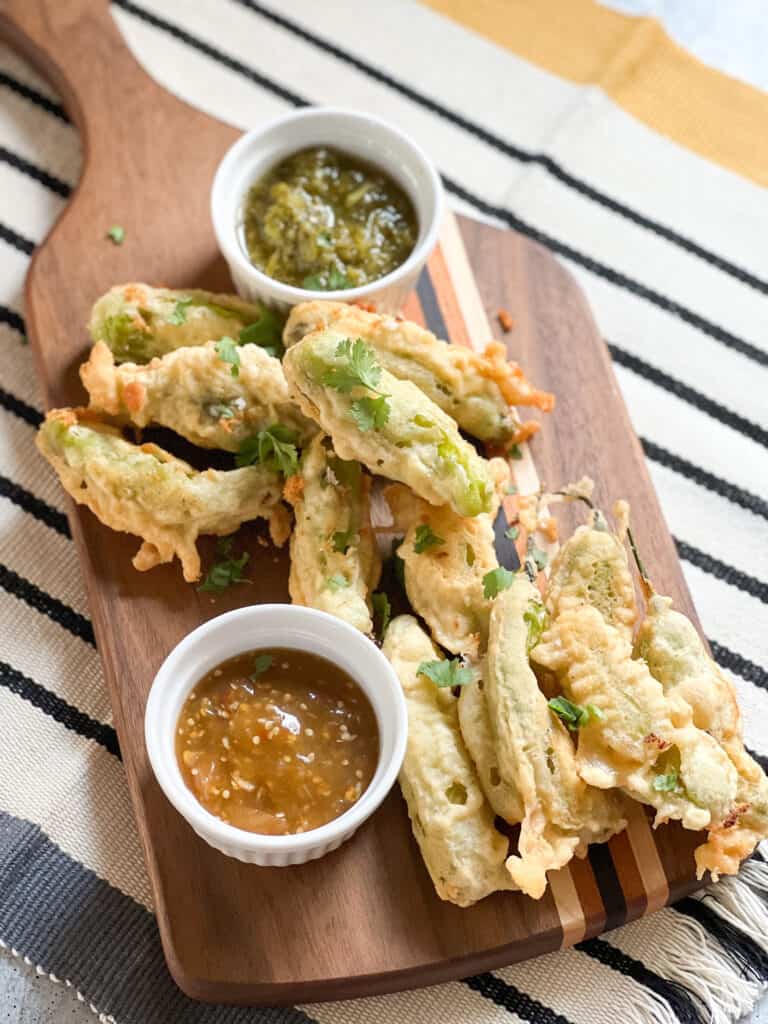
(586,129)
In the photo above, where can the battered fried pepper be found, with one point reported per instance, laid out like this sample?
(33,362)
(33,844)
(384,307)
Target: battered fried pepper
(561,815)
(334,560)
(478,390)
(445,558)
(387,424)
(676,656)
(637,737)
(193,391)
(139,322)
(450,817)
(147,492)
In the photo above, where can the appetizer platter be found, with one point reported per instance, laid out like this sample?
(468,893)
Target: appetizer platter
(418,478)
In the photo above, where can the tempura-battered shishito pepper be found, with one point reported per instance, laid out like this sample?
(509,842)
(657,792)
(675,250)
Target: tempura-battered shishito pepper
(639,738)
(334,560)
(478,389)
(676,656)
(139,322)
(193,392)
(145,491)
(561,815)
(451,819)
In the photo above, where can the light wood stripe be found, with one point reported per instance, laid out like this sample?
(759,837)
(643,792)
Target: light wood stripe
(647,858)
(638,65)
(569,908)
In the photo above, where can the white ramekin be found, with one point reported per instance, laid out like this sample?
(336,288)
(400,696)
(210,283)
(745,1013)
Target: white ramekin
(274,625)
(369,138)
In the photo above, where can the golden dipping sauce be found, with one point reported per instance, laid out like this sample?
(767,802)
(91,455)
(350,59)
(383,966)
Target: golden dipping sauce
(277,741)
(326,221)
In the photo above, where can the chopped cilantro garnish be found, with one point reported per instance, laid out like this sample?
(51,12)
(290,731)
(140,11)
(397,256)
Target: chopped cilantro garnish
(573,715)
(512,532)
(116,234)
(361,369)
(337,280)
(424,539)
(515,452)
(265,332)
(331,282)
(274,448)
(228,353)
(497,580)
(336,582)
(220,410)
(227,571)
(342,539)
(179,313)
(449,672)
(260,665)
(539,557)
(370,413)
(382,613)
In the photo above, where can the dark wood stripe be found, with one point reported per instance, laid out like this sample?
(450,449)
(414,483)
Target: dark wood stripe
(608,883)
(430,306)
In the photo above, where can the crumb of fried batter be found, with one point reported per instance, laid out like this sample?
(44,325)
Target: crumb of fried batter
(133,293)
(548,527)
(369,307)
(525,431)
(506,321)
(293,488)
(262,541)
(134,395)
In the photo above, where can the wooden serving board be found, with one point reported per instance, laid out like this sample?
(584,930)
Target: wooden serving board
(364,919)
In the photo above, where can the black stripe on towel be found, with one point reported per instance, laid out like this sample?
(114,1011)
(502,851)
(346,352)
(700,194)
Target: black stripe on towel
(33,96)
(35,506)
(58,709)
(38,174)
(510,149)
(680,1000)
(510,998)
(608,884)
(615,277)
(707,563)
(20,408)
(738,495)
(690,395)
(763,762)
(433,315)
(56,610)
(726,658)
(13,319)
(76,925)
(16,240)
(750,958)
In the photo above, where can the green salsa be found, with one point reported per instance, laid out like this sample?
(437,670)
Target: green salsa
(326,221)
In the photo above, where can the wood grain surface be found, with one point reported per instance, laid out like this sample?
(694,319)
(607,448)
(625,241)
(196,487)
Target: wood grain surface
(364,919)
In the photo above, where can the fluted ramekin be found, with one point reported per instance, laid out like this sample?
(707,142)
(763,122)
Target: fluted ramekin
(361,135)
(273,625)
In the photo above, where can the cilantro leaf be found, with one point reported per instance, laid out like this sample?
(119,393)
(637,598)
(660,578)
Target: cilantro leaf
(424,539)
(361,369)
(266,332)
(539,557)
(370,413)
(314,283)
(382,613)
(337,280)
(495,581)
(226,349)
(274,447)
(116,234)
(336,582)
(226,572)
(179,314)
(220,410)
(342,539)
(260,665)
(449,672)
(333,281)
(535,617)
(515,452)
(669,783)
(573,715)
(512,532)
